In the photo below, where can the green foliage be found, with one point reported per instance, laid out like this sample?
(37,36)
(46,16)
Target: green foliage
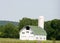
(55,24)
(48,29)
(9,31)
(1,31)
(53,29)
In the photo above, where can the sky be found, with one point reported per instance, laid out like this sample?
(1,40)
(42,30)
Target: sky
(14,10)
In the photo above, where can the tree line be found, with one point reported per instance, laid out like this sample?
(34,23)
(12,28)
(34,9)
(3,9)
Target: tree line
(52,28)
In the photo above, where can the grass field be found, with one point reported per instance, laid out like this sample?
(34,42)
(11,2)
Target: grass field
(8,40)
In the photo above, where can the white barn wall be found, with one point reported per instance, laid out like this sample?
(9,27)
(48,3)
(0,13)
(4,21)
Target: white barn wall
(27,36)
(40,37)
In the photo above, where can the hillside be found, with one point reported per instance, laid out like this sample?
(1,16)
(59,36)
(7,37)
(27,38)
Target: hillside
(5,22)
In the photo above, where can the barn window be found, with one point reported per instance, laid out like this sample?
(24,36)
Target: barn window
(40,37)
(23,32)
(36,37)
(44,37)
(27,31)
(31,32)
(27,28)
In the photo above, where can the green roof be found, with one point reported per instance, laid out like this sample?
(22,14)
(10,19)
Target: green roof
(38,30)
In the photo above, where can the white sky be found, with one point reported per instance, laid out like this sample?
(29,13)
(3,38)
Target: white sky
(13,10)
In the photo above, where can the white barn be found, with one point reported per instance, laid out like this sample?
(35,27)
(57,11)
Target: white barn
(34,32)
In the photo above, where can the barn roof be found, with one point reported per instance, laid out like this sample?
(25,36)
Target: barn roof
(38,30)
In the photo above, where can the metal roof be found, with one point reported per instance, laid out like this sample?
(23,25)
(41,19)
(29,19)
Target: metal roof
(38,30)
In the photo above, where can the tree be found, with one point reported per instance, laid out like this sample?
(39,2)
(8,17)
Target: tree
(55,24)
(10,31)
(48,29)
(53,29)
(2,31)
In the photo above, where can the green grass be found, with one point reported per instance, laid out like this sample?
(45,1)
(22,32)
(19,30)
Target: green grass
(8,40)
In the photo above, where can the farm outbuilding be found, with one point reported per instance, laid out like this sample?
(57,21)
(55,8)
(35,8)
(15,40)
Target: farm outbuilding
(34,32)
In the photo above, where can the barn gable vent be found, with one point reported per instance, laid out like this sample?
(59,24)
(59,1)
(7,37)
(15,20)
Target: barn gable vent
(27,28)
